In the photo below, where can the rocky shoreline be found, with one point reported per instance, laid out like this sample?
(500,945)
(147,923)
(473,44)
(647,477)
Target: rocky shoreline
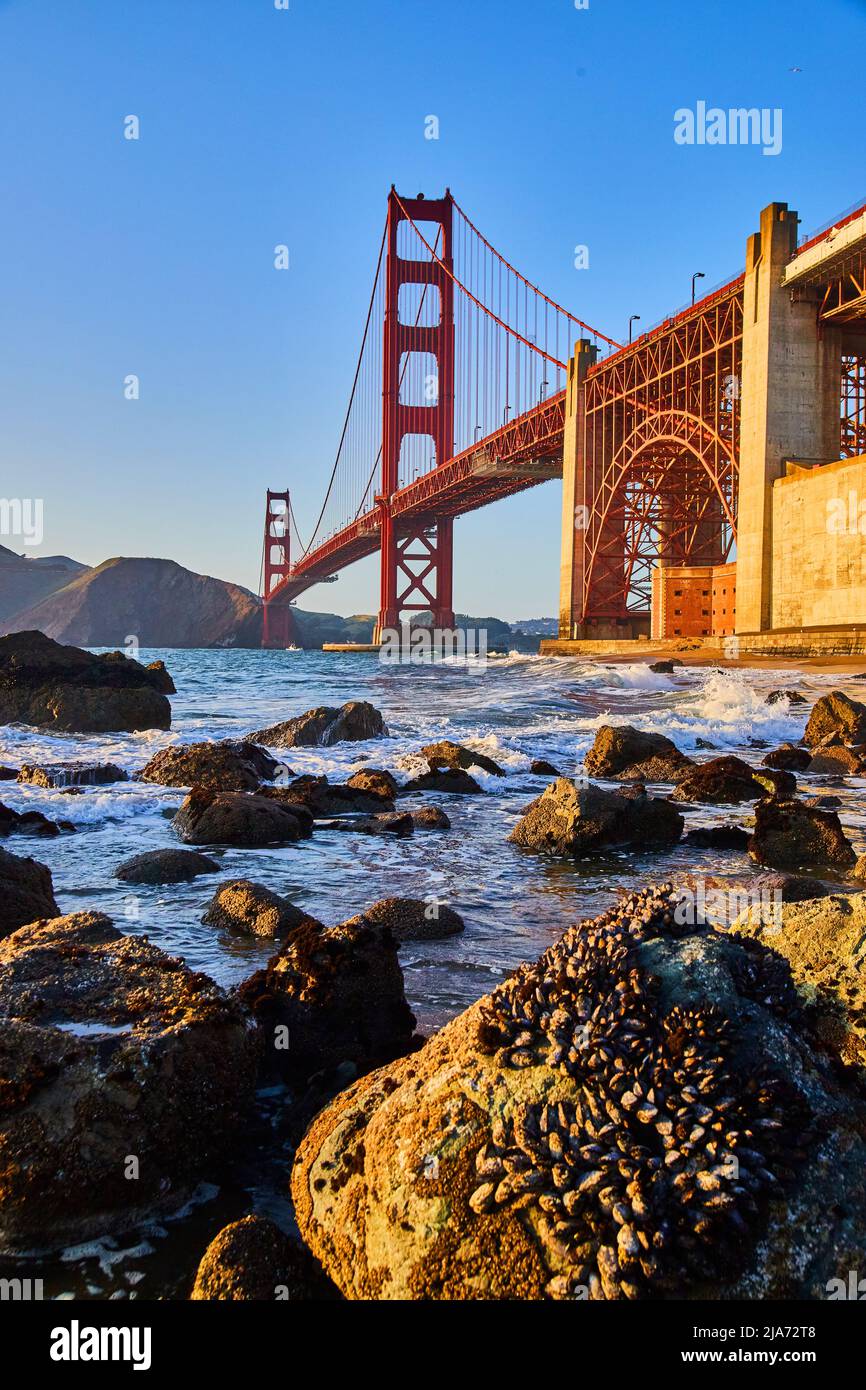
(666,1100)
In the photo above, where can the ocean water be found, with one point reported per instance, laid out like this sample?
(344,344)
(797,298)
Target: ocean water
(514,903)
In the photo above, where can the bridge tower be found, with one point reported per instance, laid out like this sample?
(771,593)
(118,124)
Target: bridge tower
(416,560)
(278,623)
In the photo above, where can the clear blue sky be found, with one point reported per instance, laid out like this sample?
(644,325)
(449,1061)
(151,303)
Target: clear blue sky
(261,126)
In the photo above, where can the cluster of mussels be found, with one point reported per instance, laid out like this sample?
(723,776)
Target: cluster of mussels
(655,1172)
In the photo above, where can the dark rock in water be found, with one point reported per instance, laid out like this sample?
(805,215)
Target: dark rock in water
(26,893)
(642,1113)
(236,818)
(165,683)
(325,726)
(838,761)
(430,818)
(665,668)
(111,1053)
(456,782)
(67,690)
(718,837)
(621,752)
(323,799)
(824,803)
(540,767)
(704,743)
(29,823)
(253,1261)
(250,909)
(567,820)
(399,823)
(790,835)
(71,775)
(331,995)
(8,774)
(411,919)
(165,866)
(447,755)
(728,780)
(836,713)
(822,942)
(230,766)
(792,696)
(788,758)
(376,782)
(791,888)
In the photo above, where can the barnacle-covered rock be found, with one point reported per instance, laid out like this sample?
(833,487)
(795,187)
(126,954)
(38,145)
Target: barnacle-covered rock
(252,1260)
(332,996)
(250,909)
(123,1075)
(643,1113)
(824,942)
(572,820)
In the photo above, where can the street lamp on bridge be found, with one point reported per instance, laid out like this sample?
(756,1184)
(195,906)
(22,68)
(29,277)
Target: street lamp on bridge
(698,275)
(634,319)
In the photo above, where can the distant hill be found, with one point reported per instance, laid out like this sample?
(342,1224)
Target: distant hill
(158,601)
(25,581)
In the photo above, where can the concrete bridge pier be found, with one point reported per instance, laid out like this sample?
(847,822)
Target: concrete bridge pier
(792,365)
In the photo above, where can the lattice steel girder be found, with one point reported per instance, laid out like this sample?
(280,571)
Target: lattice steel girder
(672,398)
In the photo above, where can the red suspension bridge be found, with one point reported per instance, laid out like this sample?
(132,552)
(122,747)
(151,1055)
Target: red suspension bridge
(467,401)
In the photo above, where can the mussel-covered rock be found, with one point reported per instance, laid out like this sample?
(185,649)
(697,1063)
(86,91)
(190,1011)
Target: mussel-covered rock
(122,1075)
(250,909)
(253,1260)
(324,726)
(331,995)
(792,835)
(26,892)
(570,820)
(642,1113)
(67,690)
(836,713)
(623,753)
(230,766)
(209,817)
